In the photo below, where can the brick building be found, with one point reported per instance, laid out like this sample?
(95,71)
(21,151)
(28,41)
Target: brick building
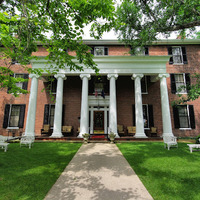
(131,91)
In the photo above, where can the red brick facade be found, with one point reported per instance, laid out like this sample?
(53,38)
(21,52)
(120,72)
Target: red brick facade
(124,90)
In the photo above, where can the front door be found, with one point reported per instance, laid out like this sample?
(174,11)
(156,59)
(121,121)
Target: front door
(98,121)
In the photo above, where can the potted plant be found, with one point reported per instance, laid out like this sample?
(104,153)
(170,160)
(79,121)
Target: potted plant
(112,137)
(86,137)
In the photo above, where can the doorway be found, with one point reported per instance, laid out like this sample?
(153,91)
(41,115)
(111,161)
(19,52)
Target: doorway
(98,122)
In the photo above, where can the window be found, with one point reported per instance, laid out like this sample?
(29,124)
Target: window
(178,55)
(99,51)
(184,116)
(97,84)
(14,115)
(140,51)
(22,85)
(180,83)
(49,111)
(147,115)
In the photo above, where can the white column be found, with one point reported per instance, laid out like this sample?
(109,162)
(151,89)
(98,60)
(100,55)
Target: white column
(30,122)
(57,132)
(166,117)
(84,121)
(113,104)
(138,107)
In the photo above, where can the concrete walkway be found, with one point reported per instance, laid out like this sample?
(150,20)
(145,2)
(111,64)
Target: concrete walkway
(98,172)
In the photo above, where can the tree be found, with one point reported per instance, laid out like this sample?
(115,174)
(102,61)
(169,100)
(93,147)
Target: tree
(57,25)
(139,22)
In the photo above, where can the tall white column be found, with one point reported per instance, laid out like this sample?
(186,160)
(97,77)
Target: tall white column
(166,117)
(113,104)
(138,107)
(84,121)
(57,132)
(30,122)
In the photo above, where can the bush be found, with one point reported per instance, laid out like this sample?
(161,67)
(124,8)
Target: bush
(197,139)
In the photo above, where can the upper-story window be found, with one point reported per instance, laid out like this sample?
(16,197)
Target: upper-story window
(178,55)
(180,83)
(99,51)
(21,85)
(140,51)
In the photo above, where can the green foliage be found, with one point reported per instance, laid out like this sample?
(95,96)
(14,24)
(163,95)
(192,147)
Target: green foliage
(30,173)
(166,174)
(57,25)
(139,22)
(197,139)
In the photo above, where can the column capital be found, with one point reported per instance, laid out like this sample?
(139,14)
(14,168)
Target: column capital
(163,76)
(134,76)
(34,76)
(60,76)
(88,76)
(109,76)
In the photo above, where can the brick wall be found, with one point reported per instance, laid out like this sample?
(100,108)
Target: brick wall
(125,93)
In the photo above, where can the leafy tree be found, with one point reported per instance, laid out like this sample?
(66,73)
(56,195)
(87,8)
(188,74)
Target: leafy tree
(57,25)
(139,22)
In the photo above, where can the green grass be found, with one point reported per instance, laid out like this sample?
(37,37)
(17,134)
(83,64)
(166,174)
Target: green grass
(167,175)
(28,174)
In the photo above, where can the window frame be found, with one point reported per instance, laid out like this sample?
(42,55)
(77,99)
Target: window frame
(181,55)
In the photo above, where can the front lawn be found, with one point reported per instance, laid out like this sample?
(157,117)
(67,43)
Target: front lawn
(28,174)
(167,175)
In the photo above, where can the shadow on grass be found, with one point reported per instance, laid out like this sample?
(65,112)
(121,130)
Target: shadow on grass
(172,174)
(30,173)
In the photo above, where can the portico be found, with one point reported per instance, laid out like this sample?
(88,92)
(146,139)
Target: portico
(106,108)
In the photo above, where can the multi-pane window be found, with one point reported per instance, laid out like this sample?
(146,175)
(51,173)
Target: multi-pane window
(180,83)
(184,116)
(14,115)
(19,84)
(178,55)
(99,51)
(140,51)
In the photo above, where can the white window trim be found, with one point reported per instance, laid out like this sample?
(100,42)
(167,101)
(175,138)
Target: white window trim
(184,84)
(180,55)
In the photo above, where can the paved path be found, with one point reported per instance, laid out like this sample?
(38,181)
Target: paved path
(98,172)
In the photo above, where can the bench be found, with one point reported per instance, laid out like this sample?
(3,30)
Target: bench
(193,146)
(27,141)
(3,143)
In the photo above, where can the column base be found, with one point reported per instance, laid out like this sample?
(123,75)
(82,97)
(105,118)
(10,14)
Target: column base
(140,135)
(56,135)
